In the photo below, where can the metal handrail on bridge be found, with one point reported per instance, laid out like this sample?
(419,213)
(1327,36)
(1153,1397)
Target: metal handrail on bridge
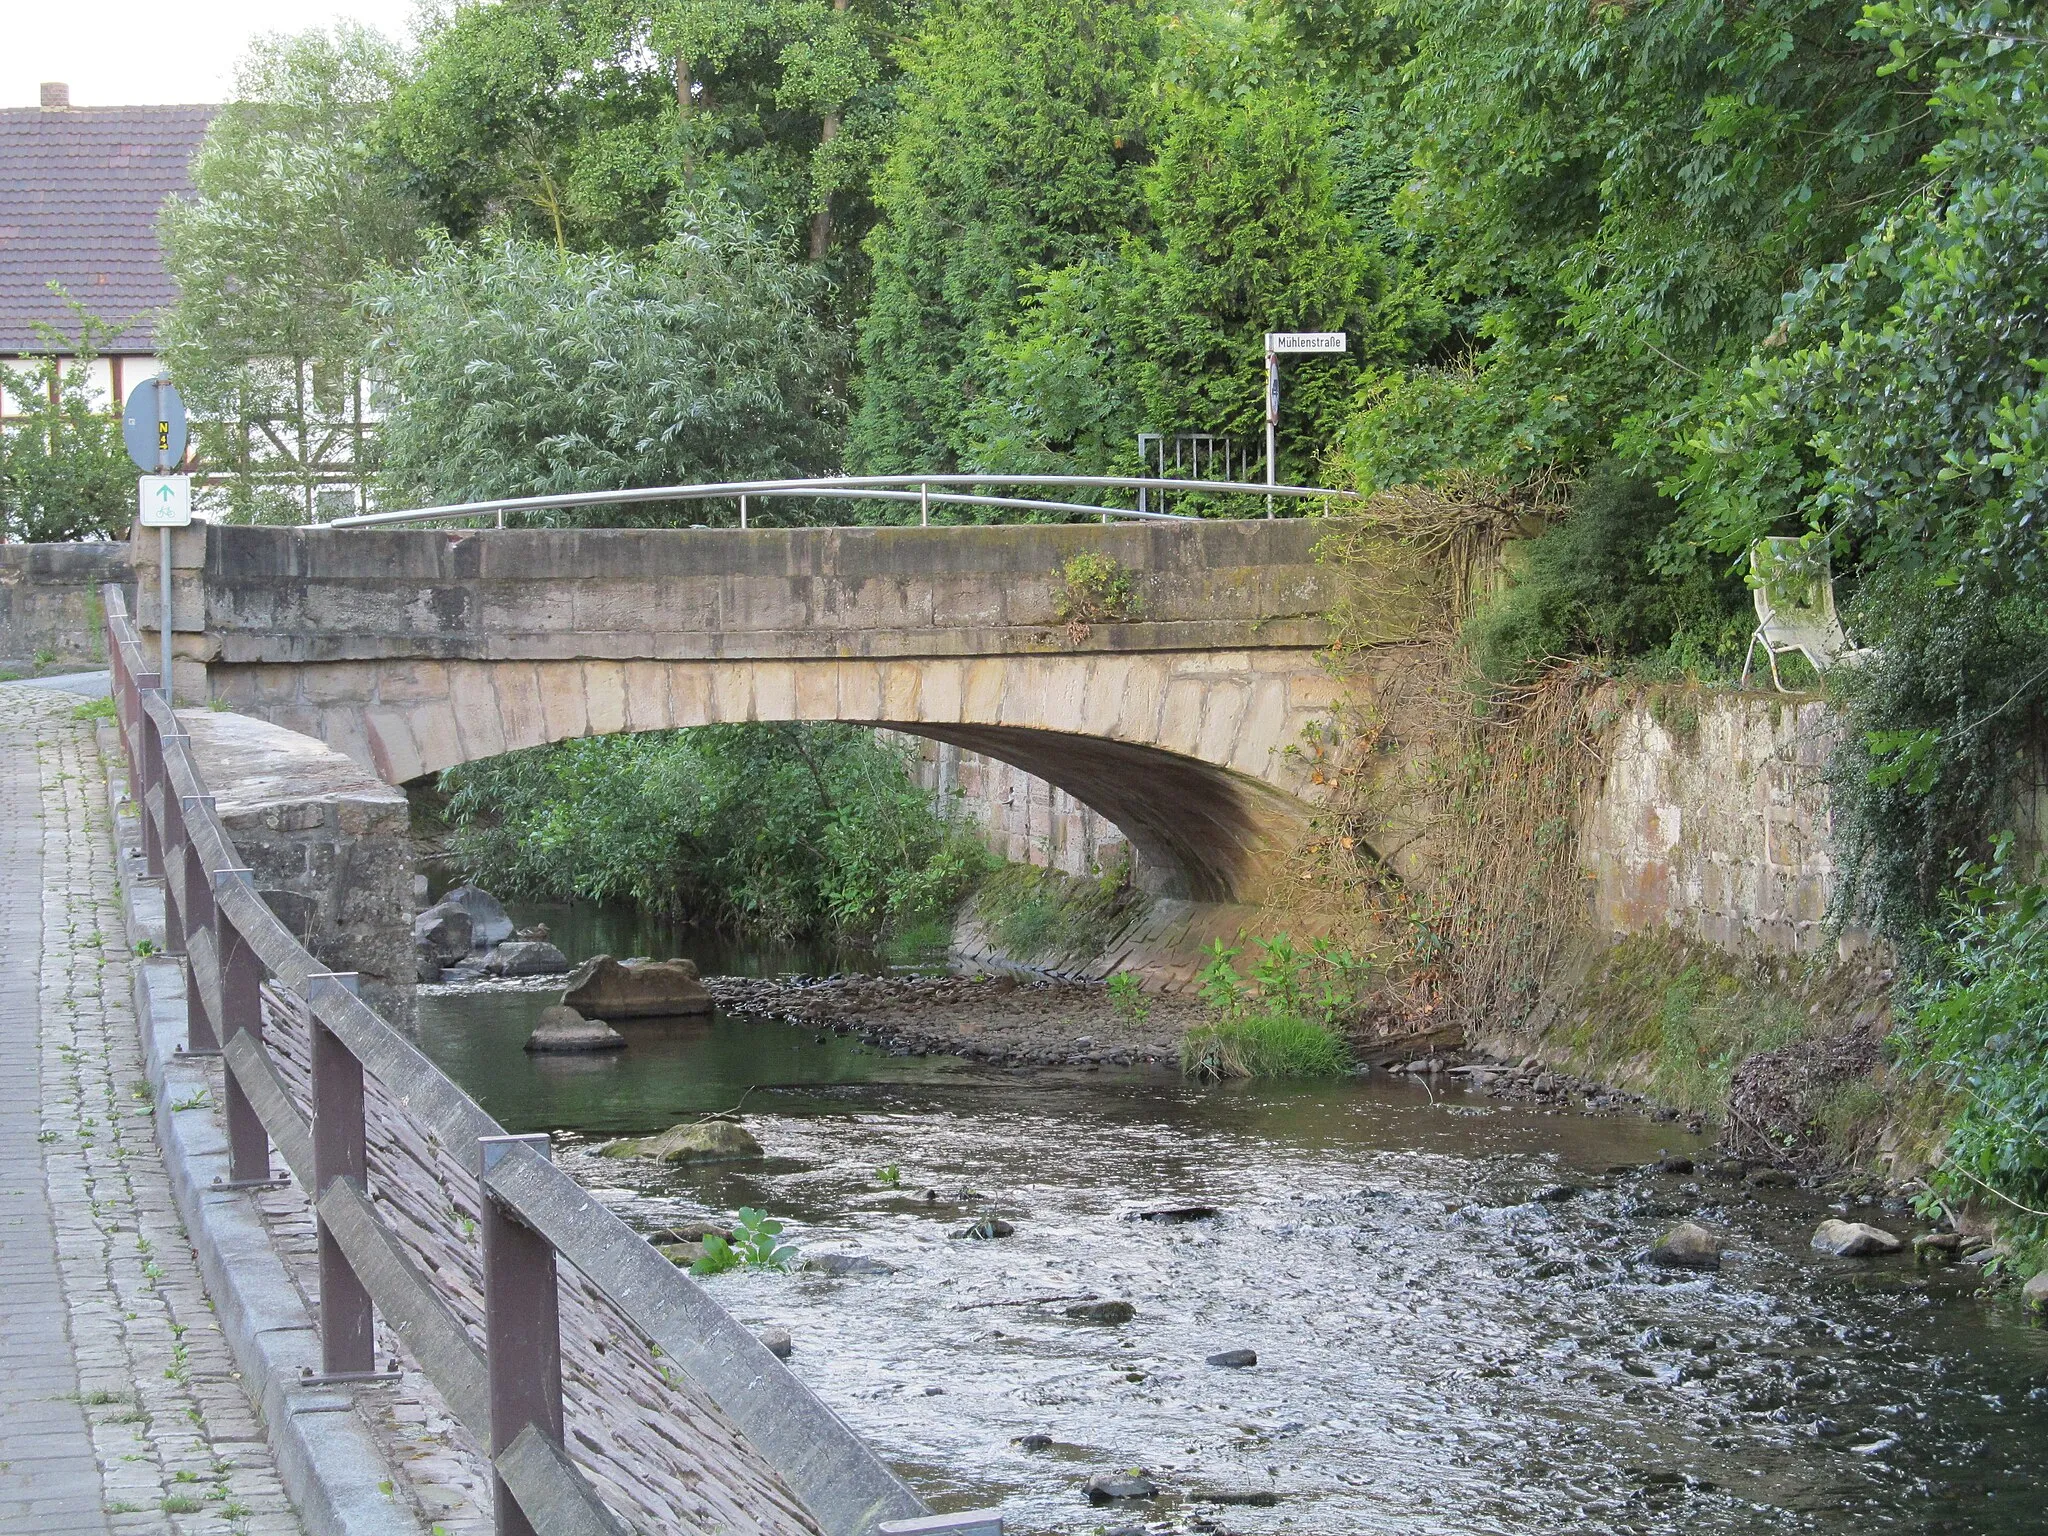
(507,1392)
(917,488)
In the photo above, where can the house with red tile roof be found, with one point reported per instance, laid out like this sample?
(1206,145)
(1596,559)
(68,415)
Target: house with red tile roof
(80,190)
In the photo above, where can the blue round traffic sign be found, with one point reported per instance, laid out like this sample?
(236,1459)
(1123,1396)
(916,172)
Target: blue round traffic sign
(153,426)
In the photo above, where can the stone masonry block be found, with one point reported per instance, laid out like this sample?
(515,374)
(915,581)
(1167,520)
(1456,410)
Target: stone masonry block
(412,682)
(775,691)
(473,693)
(604,694)
(689,693)
(522,718)
(647,696)
(563,712)
(1223,712)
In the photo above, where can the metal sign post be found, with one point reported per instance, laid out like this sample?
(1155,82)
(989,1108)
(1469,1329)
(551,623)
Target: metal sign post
(1278,342)
(154,428)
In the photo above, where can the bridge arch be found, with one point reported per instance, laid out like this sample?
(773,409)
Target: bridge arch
(1182,753)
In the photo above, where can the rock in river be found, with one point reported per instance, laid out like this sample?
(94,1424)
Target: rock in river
(846,1264)
(988,1227)
(1106,1487)
(2034,1294)
(1687,1246)
(526,957)
(1854,1239)
(699,1141)
(445,929)
(777,1340)
(565,1030)
(1236,1359)
(488,923)
(637,989)
(1102,1311)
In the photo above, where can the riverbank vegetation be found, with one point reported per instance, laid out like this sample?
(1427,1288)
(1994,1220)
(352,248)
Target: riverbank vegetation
(1284,1020)
(772,831)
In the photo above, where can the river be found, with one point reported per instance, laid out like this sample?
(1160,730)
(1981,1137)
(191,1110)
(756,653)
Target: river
(1438,1352)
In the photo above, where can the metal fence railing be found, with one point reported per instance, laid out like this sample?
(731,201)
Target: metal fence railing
(926,490)
(493,1350)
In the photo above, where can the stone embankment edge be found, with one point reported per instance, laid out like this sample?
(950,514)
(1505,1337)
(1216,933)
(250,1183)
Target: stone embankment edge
(328,1462)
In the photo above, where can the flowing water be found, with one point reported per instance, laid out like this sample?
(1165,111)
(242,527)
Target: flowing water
(1437,1351)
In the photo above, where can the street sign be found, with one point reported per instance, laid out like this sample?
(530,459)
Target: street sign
(166,501)
(1304,341)
(153,426)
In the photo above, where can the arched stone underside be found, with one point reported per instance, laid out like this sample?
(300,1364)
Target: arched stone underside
(1185,752)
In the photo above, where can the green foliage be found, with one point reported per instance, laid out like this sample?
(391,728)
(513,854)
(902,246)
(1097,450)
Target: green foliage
(94,709)
(1604,204)
(1285,1020)
(511,370)
(64,472)
(576,122)
(1937,721)
(1979,1028)
(1239,233)
(889,1174)
(775,830)
(1898,406)
(1034,913)
(1096,589)
(291,208)
(1017,150)
(756,1244)
(1127,997)
(1609,580)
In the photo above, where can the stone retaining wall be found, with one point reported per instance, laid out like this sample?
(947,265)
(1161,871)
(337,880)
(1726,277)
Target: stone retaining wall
(330,844)
(1712,823)
(50,603)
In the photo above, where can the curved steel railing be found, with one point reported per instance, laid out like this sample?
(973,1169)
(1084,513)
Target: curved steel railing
(917,488)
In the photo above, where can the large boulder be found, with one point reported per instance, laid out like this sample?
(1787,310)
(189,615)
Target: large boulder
(637,989)
(1854,1239)
(700,1141)
(487,920)
(565,1030)
(446,929)
(526,957)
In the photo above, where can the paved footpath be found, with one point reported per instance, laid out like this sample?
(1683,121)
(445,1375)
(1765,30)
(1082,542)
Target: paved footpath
(120,1406)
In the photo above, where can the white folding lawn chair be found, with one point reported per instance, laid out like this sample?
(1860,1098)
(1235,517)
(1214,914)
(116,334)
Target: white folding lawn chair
(1794,589)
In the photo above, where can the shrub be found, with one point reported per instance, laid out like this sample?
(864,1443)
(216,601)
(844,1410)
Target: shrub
(1606,581)
(1283,1021)
(1980,1030)
(770,829)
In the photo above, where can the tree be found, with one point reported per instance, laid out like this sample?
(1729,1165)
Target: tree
(64,471)
(290,211)
(1606,203)
(1017,149)
(577,121)
(1897,407)
(511,369)
(1241,235)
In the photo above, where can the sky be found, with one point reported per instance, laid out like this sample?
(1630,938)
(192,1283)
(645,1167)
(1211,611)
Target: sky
(145,52)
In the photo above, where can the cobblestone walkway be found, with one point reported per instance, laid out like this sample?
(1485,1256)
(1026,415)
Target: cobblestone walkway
(120,1406)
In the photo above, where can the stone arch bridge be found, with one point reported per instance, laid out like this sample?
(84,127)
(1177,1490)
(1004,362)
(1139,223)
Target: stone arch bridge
(415,650)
